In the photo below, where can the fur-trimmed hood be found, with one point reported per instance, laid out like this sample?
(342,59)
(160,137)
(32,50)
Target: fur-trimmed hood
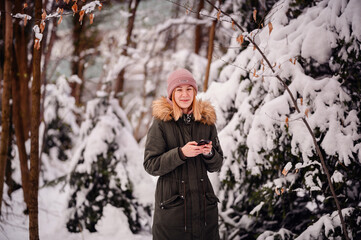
(163,110)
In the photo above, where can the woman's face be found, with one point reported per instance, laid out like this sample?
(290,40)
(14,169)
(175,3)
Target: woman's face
(183,96)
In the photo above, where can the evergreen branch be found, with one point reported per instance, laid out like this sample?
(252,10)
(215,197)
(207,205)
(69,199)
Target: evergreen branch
(55,181)
(318,150)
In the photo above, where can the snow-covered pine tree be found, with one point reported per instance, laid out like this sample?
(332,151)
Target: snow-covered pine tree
(59,128)
(105,169)
(273,185)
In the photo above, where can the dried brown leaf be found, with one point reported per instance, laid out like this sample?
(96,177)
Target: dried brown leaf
(270,26)
(277,192)
(43,15)
(240,39)
(81,15)
(60,19)
(91,18)
(75,8)
(233,27)
(42,26)
(36,44)
(25,21)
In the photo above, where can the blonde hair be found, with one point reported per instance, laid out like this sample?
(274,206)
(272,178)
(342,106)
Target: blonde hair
(177,111)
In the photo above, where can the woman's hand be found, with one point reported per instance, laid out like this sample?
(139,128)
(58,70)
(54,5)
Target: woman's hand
(207,148)
(191,149)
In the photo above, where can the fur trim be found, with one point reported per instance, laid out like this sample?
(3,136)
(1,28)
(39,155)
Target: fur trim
(163,111)
(207,112)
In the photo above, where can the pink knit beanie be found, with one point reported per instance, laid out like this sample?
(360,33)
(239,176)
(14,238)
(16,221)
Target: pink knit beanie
(180,77)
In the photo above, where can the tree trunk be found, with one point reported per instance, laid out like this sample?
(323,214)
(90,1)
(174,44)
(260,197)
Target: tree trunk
(12,185)
(155,75)
(79,87)
(5,117)
(49,47)
(23,73)
(210,54)
(119,85)
(19,133)
(198,29)
(78,41)
(174,29)
(130,27)
(34,150)
(21,101)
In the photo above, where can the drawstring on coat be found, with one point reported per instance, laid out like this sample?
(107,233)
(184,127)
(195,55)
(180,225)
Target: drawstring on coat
(185,206)
(205,205)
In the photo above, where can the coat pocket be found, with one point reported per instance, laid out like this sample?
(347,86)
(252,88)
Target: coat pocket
(172,202)
(171,213)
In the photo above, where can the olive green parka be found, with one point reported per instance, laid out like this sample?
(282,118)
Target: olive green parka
(185,203)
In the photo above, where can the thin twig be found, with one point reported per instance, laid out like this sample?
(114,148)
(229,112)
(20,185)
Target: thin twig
(282,121)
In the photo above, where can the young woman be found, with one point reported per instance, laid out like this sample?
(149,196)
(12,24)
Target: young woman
(185,204)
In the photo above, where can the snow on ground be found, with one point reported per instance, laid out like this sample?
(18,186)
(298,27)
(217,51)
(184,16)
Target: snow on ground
(52,219)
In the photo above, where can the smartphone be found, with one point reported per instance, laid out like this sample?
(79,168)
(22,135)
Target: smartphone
(203,142)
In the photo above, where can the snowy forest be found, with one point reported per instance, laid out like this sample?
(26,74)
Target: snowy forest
(78,78)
